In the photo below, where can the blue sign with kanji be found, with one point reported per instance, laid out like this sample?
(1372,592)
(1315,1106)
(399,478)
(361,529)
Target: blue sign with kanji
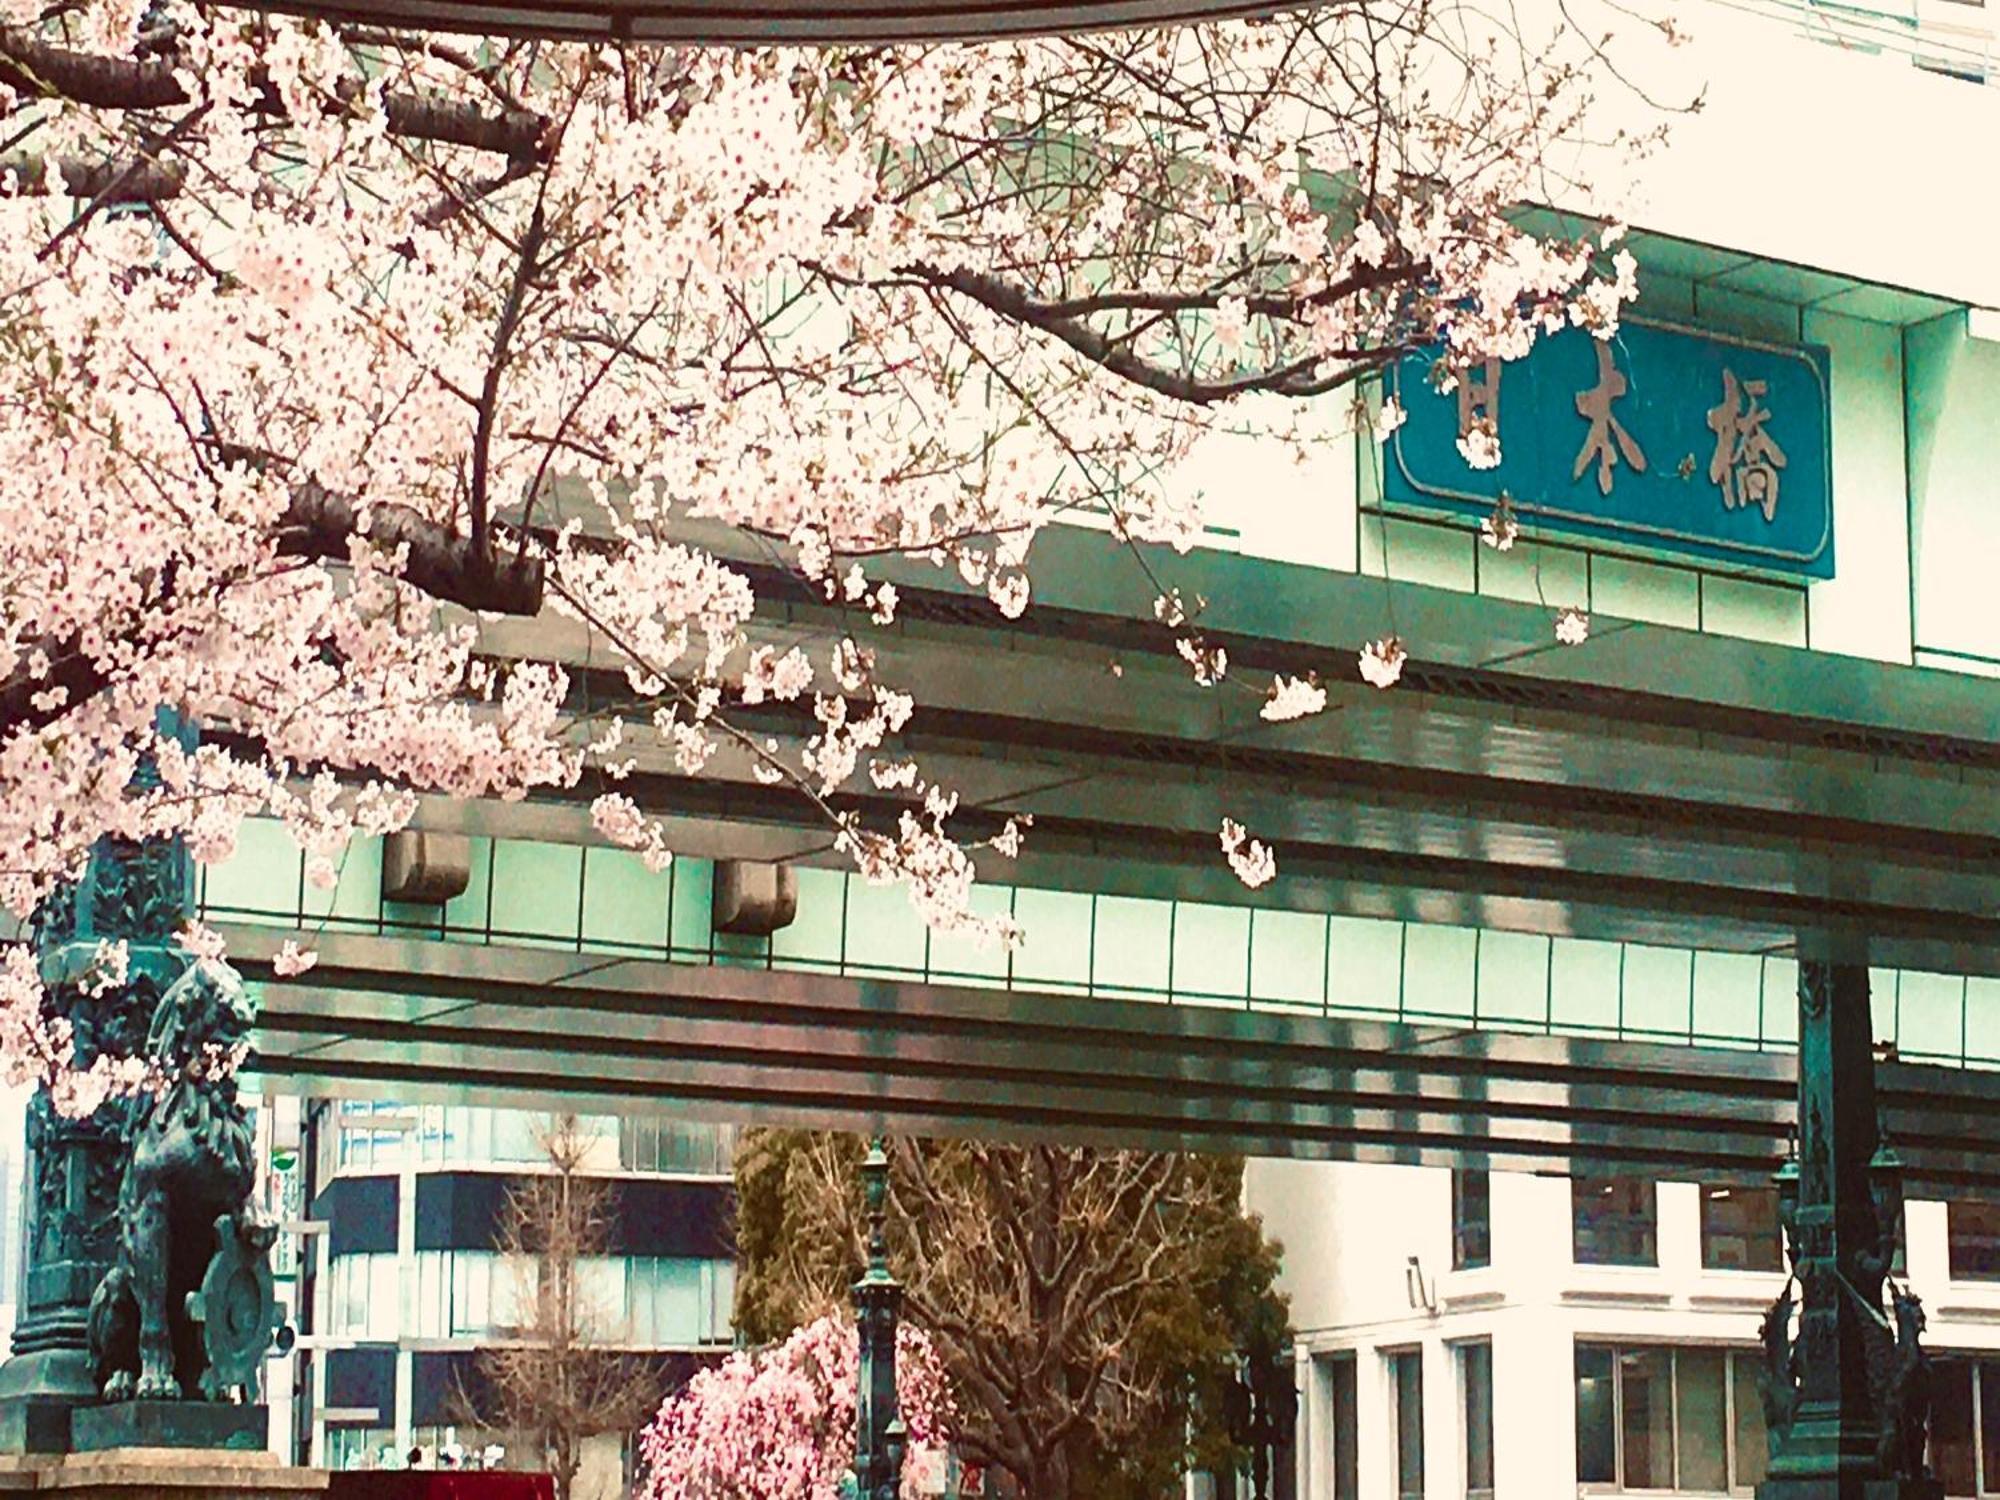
(1710,447)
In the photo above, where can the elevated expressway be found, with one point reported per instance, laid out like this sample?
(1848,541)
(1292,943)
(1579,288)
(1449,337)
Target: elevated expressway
(1653,786)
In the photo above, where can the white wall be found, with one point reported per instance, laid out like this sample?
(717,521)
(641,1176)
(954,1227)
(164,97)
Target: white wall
(1348,1230)
(1955,430)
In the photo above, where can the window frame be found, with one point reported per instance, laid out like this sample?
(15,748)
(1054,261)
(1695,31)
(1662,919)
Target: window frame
(1577,1187)
(1775,1242)
(1461,1258)
(1393,1359)
(1462,1352)
(1985,1463)
(1344,1454)
(1731,1398)
(1963,1273)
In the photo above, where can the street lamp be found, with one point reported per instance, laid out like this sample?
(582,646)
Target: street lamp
(879,1435)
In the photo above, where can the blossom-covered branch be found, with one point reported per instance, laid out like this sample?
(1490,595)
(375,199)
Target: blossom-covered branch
(307,332)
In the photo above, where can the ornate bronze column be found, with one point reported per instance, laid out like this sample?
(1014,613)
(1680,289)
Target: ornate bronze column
(140,893)
(879,1435)
(1845,1400)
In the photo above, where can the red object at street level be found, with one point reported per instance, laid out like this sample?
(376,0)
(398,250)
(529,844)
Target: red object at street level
(438,1484)
(747,23)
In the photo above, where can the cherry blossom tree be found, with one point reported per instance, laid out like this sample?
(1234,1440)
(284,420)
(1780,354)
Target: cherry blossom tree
(778,1423)
(324,350)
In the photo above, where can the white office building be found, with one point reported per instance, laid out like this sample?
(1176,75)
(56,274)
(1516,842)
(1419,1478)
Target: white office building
(1471,1336)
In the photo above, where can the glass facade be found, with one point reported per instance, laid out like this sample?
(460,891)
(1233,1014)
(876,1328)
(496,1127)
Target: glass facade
(582,899)
(365,1136)
(644,1301)
(1614,1221)
(1683,1419)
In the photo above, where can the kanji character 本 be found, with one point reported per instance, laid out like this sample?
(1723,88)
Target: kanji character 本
(1746,460)
(1607,437)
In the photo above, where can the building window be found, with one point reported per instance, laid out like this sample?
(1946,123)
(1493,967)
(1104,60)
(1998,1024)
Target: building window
(1471,1219)
(1406,1394)
(366,1296)
(1663,1418)
(1965,1425)
(1475,1366)
(1346,1430)
(672,1303)
(371,1134)
(362,1448)
(1972,1228)
(676,1146)
(1739,1229)
(1614,1221)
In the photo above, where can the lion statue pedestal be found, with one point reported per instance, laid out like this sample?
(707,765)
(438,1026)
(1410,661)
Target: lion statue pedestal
(181,1322)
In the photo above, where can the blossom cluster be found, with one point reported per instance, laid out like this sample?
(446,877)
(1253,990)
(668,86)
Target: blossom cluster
(322,353)
(778,1423)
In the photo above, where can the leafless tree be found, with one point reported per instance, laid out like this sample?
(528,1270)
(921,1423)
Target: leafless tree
(558,1378)
(1087,1304)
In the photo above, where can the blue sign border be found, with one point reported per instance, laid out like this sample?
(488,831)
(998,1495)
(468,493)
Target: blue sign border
(1415,494)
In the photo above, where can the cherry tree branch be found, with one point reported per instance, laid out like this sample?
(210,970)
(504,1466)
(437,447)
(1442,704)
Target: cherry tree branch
(36,68)
(319,526)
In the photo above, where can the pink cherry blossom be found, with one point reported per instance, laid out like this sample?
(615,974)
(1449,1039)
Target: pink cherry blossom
(778,1423)
(328,352)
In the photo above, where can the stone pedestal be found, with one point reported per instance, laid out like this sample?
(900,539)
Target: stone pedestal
(161,1474)
(170,1424)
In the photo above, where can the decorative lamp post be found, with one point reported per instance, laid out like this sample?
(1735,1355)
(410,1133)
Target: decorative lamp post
(139,894)
(879,1435)
(1846,1402)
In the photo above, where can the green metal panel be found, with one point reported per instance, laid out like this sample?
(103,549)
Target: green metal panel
(1781,1001)
(885,936)
(1866,610)
(1727,996)
(1754,611)
(813,940)
(1530,573)
(1632,590)
(1930,1015)
(958,958)
(1954,412)
(1513,979)
(1658,991)
(1131,949)
(537,891)
(1287,957)
(1056,951)
(1416,552)
(1982,1019)
(1585,984)
(624,903)
(355,899)
(1437,971)
(1135,947)
(261,880)
(1211,951)
(690,916)
(467,912)
(1364,965)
